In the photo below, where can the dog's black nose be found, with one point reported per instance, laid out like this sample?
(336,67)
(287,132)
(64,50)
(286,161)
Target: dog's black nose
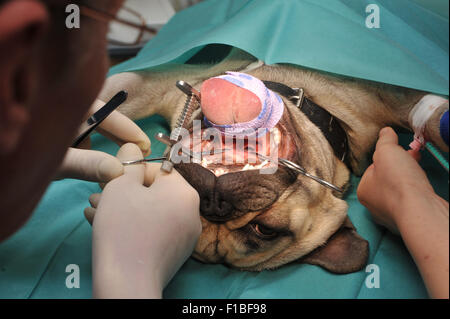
(232,195)
(213,205)
(215,202)
(215,208)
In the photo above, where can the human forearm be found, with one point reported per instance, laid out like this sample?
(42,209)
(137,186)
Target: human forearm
(423,221)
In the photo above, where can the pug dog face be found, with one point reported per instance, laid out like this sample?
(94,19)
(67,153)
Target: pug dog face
(253,221)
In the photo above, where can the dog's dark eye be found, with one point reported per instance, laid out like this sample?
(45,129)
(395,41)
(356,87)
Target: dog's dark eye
(263,231)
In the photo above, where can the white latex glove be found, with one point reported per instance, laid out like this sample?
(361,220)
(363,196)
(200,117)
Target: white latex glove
(96,166)
(141,235)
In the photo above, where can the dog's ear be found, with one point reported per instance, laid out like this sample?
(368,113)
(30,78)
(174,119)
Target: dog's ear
(345,251)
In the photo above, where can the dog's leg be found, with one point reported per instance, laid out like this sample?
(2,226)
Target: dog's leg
(432,130)
(414,109)
(141,99)
(153,91)
(149,92)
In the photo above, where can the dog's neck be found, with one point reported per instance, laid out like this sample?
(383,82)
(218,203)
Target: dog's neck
(327,123)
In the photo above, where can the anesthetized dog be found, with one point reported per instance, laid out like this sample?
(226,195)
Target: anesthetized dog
(254,221)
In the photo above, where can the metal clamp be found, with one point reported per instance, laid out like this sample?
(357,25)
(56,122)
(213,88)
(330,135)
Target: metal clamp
(191,104)
(298,96)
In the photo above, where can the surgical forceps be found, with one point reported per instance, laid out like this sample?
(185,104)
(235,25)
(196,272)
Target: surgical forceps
(95,119)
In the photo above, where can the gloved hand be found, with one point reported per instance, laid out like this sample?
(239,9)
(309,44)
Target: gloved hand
(141,235)
(394,177)
(83,163)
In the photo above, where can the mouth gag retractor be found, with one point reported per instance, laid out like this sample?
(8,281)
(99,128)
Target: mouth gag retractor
(163,138)
(192,103)
(297,168)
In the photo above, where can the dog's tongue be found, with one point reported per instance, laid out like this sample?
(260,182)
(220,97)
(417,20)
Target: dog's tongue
(225,103)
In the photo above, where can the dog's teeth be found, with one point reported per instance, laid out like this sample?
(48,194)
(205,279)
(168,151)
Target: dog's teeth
(262,164)
(246,167)
(205,162)
(276,135)
(207,146)
(219,171)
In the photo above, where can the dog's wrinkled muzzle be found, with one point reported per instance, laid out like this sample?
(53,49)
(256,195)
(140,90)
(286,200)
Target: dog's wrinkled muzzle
(232,195)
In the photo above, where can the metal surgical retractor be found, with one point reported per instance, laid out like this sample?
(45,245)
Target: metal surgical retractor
(192,103)
(163,138)
(297,168)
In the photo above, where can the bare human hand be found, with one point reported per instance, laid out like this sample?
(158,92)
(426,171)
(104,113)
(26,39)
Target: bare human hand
(393,177)
(399,196)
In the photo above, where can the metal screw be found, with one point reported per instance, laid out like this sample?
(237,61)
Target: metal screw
(167,166)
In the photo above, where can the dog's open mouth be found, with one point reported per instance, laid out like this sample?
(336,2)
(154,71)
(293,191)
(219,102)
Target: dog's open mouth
(224,154)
